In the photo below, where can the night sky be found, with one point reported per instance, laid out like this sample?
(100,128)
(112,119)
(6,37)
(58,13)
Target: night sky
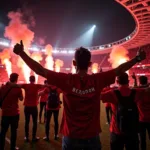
(62,21)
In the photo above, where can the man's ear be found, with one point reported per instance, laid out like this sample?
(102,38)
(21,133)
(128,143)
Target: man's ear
(90,63)
(74,63)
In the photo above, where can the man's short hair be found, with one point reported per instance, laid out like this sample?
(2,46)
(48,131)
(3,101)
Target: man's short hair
(82,58)
(123,79)
(32,78)
(143,80)
(13,77)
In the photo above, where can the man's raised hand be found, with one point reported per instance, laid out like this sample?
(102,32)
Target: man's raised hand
(18,48)
(141,55)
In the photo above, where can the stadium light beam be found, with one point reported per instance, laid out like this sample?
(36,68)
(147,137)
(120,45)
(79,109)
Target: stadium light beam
(94,26)
(85,39)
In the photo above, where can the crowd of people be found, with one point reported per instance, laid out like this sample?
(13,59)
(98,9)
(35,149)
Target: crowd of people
(80,125)
(34,94)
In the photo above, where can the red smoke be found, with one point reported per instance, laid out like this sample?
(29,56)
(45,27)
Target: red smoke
(17,30)
(5,56)
(118,56)
(41,41)
(95,67)
(37,57)
(58,64)
(49,59)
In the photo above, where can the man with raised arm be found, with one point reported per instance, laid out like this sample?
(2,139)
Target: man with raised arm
(81,117)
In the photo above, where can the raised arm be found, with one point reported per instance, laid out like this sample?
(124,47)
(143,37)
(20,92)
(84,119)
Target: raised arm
(36,67)
(40,93)
(135,80)
(141,55)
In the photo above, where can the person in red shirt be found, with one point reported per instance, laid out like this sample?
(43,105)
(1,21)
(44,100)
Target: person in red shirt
(144,113)
(108,107)
(81,116)
(43,99)
(118,138)
(108,112)
(30,109)
(10,110)
(52,110)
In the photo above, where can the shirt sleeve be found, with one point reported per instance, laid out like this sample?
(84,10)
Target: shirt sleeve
(108,97)
(106,78)
(46,90)
(60,80)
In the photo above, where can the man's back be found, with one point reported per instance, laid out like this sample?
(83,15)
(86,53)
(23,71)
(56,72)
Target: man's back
(10,104)
(144,108)
(81,117)
(31,94)
(44,96)
(111,97)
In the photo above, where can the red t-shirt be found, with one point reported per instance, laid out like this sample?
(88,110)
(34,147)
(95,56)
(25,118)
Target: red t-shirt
(144,108)
(10,105)
(81,114)
(44,96)
(31,94)
(110,97)
(104,90)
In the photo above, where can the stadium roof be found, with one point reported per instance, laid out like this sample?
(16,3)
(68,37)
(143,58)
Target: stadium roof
(139,9)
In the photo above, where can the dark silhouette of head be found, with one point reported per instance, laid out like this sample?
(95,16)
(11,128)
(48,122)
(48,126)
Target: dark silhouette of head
(123,79)
(82,59)
(13,77)
(143,80)
(45,82)
(32,79)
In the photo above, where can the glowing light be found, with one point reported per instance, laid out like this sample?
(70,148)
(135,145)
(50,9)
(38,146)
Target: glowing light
(49,59)
(34,48)
(5,56)
(101,47)
(4,43)
(73,69)
(118,56)
(70,52)
(122,60)
(94,26)
(43,50)
(26,72)
(85,39)
(8,66)
(25,69)
(68,69)
(58,64)
(37,57)
(55,51)
(63,51)
(95,67)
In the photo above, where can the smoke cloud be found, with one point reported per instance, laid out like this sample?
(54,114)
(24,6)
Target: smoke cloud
(118,56)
